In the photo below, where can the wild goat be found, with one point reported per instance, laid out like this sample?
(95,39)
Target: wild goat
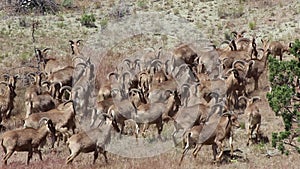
(49,64)
(212,133)
(63,119)
(155,113)
(6,101)
(274,48)
(27,139)
(93,140)
(254,117)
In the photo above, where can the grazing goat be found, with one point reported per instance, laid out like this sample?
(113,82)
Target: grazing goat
(27,139)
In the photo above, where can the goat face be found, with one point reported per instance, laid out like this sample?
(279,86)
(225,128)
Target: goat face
(234,121)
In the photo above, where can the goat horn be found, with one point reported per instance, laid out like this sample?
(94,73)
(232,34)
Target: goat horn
(243,39)
(127,60)
(71,42)
(6,75)
(229,70)
(78,57)
(185,85)
(261,49)
(4,83)
(43,119)
(135,90)
(112,73)
(156,61)
(243,97)
(238,61)
(255,98)
(226,42)
(244,31)
(65,88)
(229,113)
(46,49)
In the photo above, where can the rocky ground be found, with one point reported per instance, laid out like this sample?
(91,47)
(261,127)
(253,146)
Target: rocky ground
(128,29)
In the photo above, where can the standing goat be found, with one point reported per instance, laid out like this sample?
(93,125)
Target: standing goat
(274,48)
(254,117)
(27,139)
(212,133)
(93,140)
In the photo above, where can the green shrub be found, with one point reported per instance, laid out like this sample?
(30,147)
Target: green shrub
(88,20)
(295,50)
(67,3)
(252,25)
(281,75)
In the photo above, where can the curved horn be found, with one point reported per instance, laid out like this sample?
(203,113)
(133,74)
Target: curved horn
(135,90)
(79,57)
(127,60)
(185,85)
(234,33)
(112,73)
(78,41)
(4,83)
(243,31)
(243,40)
(229,113)
(6,75)
(230,70)
(46,49)
(126,72)
(155,62)
(254,98)
(243,97)
(182,66)
(71,42)
(251,63)
(65,88)
(238,61)
(43,119)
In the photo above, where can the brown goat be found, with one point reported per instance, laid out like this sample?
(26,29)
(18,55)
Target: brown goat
(254,117)
(274,48)
(217,133)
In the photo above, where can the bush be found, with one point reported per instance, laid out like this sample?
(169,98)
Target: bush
(40,6)
(295,50)
(88,20)
(281,77)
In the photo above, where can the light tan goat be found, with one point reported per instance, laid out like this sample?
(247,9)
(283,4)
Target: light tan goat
(254,117)
(93,140)
(274,48)
(212,133)
(28,139)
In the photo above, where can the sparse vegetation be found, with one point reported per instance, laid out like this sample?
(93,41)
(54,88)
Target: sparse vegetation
(252,25)
(88,20)
(55,31)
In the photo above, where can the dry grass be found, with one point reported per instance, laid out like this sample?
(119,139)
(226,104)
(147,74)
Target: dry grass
(55,30)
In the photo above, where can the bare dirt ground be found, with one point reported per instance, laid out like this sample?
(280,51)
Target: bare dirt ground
(276,20)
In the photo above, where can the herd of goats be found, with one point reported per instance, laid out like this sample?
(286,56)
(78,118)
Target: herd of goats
(202,92)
